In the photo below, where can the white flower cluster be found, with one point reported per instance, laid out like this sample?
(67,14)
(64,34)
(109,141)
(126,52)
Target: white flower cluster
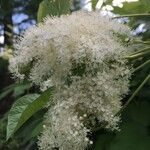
(80,56)
(63,130)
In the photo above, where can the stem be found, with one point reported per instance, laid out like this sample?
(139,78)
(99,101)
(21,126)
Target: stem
(132,15)
(141,66)
(135,93)
(141,54)
(143,42)
(142,50)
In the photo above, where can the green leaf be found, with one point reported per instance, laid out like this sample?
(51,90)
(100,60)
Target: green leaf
(24,108)
(53,8)
(141,6)
(17,89)
(33,128)
(36,130)
(134,134)
(94,2)
(20,89)
(7,90)
(5,93)
(16,112)
(43,10)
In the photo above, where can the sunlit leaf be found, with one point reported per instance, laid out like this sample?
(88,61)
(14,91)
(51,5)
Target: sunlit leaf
(140,6)
(53,8)
(94,2)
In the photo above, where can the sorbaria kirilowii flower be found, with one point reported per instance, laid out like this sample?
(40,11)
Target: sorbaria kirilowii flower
(81,57)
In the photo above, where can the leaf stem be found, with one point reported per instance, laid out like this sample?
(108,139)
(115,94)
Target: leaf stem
(132,15)
(141,66)
(138,55)
(143,42)
(142,50)
(135,93)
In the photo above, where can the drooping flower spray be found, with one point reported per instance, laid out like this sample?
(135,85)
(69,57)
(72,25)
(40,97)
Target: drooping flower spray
(81,57)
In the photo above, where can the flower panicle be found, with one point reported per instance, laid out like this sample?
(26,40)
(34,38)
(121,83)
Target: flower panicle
(80,56)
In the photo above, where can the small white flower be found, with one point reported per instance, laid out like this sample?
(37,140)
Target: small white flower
(85,115)
(86,139)
(44,126)
(80,118)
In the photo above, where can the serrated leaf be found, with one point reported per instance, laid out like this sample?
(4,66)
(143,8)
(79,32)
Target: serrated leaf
(24,108)
(53,8)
